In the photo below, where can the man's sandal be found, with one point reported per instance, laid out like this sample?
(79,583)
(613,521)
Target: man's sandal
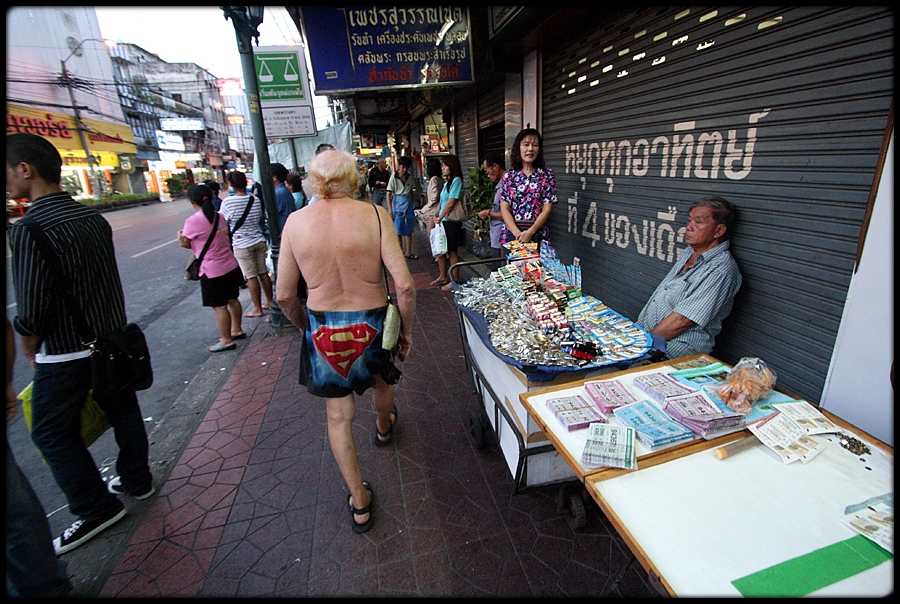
(357,527)
(389,435)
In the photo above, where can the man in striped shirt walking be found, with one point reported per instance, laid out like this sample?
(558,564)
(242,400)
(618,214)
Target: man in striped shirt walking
(82,240)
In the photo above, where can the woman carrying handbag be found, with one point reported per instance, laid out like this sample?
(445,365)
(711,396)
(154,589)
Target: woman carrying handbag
(220,275)
(449,214)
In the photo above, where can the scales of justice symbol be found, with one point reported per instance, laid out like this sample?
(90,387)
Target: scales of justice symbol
(290,72)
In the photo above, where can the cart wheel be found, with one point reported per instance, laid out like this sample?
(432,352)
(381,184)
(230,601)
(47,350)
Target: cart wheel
(476,427)
(576,508)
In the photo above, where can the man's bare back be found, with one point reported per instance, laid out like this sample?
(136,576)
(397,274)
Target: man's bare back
(334,246)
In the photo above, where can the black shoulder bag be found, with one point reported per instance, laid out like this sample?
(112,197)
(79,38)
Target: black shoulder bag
(391,331)
(120,360)
(192,270)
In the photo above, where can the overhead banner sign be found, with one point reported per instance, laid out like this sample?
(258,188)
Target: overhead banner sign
(284,94)
(181,123)
(369,47)
(169,141)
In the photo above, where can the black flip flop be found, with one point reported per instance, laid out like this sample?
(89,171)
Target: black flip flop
(389,435)
(357,527)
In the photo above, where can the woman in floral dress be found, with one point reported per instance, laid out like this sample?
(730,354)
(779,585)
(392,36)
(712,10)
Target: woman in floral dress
(527,191)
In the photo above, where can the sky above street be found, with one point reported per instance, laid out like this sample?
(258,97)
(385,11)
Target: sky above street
(197,34)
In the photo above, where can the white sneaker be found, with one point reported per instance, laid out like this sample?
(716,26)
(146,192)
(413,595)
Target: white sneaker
(114,486)
(83,530)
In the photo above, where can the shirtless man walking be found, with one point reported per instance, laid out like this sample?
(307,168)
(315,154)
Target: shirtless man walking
(346,303)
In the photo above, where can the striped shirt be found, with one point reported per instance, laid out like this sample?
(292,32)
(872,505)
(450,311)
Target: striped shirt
(250,233)
(703,293)
(82,239)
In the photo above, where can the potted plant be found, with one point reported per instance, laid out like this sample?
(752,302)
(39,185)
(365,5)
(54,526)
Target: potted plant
(176,185)
(480,191)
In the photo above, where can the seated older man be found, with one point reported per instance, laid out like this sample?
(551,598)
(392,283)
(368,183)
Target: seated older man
(690,303)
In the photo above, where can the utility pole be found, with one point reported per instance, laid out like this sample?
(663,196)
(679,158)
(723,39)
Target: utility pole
(95,183)
(246,19)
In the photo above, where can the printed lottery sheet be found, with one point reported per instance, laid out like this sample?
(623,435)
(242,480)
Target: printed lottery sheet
(654,428)
(808,418)
(609,446)
(781,435)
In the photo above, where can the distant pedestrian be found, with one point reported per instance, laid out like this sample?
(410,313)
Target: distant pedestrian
(319,150)
(284,201)
(344,320)
(220,275)
(451,195)
(216,189)
(494,165)
(399,205)
(379,176)
(83,241)
(32,568)
(295,185)
(248,242)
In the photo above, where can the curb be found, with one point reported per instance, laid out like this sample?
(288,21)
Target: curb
(90,566)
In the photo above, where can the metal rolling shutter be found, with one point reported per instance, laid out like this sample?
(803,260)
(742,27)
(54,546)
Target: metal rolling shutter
(491,129)
(467,138)
(782,111)
(493,138)
(490,106)
(467,150)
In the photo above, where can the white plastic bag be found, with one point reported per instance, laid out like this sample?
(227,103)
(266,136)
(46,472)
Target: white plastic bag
(269,264)
(438,239)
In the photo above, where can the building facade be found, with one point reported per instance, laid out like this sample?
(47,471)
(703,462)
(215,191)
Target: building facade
(59,74)
(784,111)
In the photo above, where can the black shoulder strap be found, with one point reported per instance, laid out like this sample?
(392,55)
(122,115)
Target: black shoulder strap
(212,234)
(60,281)
(243,217)
(383,268)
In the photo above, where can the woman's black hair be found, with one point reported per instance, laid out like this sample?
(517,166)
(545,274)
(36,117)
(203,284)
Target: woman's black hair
(452,162)
(433,167)
(202,195)
(515,154)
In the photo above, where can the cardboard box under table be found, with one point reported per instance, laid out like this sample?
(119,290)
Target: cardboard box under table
(746,525)
(500,380)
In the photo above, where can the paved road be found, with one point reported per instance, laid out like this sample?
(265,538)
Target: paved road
(178,329)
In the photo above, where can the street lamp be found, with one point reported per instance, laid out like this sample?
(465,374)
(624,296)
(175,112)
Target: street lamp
(246,20)
(67,82)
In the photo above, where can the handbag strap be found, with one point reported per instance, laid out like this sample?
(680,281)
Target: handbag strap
(243,217)
(383,268)
(209,239)
(59,280)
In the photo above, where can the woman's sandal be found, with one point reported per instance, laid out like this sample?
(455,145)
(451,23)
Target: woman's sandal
(439,282)
(357,527)
(389,435)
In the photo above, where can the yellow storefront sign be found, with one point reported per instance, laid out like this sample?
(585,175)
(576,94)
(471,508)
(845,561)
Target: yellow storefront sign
(104,139)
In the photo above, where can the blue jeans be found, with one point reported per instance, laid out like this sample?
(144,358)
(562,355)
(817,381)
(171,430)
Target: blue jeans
(379,196)
(60,390)
(32,568)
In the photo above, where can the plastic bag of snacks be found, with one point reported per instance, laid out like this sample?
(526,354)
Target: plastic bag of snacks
(750,380)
